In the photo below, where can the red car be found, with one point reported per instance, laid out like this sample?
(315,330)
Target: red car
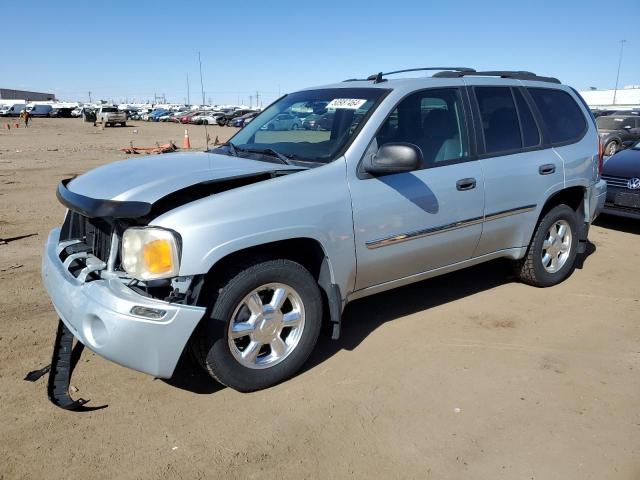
(187,118)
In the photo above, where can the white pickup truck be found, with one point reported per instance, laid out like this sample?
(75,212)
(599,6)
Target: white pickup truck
(110,115)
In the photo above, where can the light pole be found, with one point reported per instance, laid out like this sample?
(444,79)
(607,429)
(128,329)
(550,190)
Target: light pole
(615,91)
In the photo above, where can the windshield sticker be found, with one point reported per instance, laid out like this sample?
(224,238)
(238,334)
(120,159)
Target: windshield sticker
(349,103)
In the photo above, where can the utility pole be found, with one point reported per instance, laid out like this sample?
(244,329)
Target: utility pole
(615,91)
(89,96)
(188,99)
(250,101)
(257,99)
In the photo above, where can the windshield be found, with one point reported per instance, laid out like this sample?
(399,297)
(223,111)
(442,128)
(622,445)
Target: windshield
(613,123)
(337,113)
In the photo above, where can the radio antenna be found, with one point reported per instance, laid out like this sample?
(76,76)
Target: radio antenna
(206,133)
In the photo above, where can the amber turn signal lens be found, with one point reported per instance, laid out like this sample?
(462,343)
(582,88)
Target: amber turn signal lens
(158,256)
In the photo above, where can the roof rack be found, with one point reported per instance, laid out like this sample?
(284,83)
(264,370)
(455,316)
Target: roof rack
(377,77)
(515,74)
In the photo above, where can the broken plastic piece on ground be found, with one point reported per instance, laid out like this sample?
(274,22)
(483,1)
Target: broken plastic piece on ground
(63,361)
(164,148)
(35,375)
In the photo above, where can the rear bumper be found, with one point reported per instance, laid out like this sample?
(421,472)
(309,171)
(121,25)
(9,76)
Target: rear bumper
(597,197)
(98,315)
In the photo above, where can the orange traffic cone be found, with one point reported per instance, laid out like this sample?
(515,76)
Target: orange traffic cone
(186,143)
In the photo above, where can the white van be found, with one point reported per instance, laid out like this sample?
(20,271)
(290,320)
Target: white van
(11,110)
(39,110)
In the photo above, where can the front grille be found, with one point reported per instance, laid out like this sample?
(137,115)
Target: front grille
(95,233)
(615,181)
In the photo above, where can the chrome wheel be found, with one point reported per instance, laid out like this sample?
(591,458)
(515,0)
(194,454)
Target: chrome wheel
(266,326)
(611,149)
(556,246)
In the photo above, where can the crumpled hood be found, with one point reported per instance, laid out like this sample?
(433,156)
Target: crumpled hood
(152,177)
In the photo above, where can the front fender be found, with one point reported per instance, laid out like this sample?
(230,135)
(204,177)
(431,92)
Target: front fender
(311,204)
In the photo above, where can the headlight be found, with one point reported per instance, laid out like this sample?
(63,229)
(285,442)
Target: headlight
(150,253)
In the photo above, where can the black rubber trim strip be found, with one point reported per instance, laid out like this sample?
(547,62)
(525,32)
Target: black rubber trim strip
(63,361)
(97,208)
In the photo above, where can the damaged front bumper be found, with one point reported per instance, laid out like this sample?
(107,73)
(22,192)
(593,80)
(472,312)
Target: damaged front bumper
(99,314)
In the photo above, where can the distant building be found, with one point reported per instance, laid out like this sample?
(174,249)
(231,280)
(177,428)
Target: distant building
(625,98)
(10,94)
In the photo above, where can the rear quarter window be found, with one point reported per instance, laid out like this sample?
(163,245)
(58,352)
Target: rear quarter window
(563,117)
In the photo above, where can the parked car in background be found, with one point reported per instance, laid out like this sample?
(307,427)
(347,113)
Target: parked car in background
(310,122)
(622,174)
(601,113)
(77,112)
(206,118)
(155,115)
(12,110)
(241,121)
(227,118)
(89,114)
(618,131)
(189,117)
(177,118)
(39,110)
(241,253)
(61,112)
(284,121)
(109,116)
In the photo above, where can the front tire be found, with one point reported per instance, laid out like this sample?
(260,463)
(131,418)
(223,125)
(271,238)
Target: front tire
(551,255)
(264,324)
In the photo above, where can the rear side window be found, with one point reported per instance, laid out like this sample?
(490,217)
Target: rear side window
(530,133)
(499,119)
(561,114)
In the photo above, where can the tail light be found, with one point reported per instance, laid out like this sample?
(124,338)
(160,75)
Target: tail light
(600,157)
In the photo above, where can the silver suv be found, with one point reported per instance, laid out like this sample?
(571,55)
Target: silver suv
(242,252)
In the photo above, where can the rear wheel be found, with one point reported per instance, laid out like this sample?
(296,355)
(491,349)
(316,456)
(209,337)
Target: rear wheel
(552,252)
(611,148)
(263,325)
(124,124)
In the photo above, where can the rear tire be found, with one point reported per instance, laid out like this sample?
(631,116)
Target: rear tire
(551,255)
(124,124)
(611,148)
(280,347)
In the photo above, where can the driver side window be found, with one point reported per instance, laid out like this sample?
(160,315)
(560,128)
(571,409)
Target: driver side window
(434,121)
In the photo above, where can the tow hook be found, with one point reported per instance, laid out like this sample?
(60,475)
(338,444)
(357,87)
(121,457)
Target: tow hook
(64,360)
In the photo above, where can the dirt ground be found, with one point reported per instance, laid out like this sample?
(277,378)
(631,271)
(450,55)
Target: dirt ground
(471,375)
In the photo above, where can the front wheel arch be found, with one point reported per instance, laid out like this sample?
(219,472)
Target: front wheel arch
(306,251)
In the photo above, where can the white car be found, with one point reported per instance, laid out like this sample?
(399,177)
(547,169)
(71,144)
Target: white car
(76,112)
(284,121)
(209,118)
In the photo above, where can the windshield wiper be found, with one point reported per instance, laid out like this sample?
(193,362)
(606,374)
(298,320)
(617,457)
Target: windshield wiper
(271,152)
(232,148)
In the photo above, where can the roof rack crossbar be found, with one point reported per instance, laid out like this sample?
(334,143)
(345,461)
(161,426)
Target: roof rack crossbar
(515,74)
(377,77)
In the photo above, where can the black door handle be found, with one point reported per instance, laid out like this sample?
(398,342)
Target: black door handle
(466,184)
(547,169)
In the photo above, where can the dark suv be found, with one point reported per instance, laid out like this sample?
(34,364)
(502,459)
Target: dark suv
(618,131)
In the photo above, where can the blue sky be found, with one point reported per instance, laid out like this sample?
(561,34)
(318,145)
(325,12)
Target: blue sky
(133,49)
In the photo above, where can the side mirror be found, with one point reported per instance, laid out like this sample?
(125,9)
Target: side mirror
(394,158)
